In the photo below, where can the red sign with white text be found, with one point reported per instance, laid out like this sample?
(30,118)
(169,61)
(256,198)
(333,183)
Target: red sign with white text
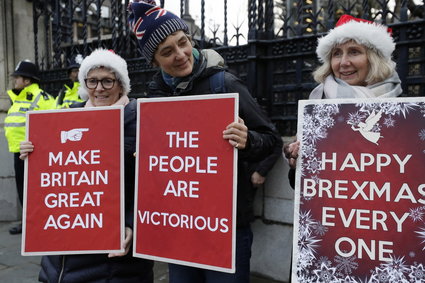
(185,208)
(360,191)
(73,200)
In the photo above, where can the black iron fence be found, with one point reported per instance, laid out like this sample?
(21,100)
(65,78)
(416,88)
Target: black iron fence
(276,62)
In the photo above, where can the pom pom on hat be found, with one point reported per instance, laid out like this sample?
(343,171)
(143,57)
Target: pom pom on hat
(152,24)
(107,59)
(372,35)
(75,62)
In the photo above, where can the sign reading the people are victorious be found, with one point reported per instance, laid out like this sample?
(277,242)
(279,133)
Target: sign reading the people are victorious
(74,189)
(360,191)
(185,208)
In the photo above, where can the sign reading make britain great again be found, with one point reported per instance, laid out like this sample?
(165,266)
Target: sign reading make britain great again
(74,182)
(360,191)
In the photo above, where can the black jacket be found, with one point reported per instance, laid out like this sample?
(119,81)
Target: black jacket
(262,135)
(98,267)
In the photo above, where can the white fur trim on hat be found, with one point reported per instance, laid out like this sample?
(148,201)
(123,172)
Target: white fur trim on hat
(107,59)
(371,35)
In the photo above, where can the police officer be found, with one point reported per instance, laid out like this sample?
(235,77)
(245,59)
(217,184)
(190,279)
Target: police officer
(69,92)
(25,96)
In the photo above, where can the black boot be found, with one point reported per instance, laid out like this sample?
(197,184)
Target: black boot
(16,230)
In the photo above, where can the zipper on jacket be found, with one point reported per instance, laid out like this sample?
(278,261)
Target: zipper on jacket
(62,269)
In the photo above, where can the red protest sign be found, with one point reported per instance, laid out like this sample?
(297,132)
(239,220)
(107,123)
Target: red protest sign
(360,191)
(185,205)
(73,191)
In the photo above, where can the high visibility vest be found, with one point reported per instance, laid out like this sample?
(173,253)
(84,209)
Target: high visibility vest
(68,96)
(30,98)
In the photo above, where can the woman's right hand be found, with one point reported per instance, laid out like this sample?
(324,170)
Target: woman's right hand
(25,148)
(291,153)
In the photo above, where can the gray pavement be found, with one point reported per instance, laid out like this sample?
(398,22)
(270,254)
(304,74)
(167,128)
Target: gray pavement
(15,268)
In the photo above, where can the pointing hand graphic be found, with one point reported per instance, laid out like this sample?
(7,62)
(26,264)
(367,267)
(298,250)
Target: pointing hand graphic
(73,135)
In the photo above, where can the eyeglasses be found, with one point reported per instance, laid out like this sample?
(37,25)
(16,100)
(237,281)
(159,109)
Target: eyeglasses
(106,83)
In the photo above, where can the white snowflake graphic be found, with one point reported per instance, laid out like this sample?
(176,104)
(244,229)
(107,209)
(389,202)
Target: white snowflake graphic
(396,268)
(309,150)
(355,118)
(421,236)
(348,279)
(305,222)
(367,107)
(380,275)
(316,178)
(417,273)
(326,274)
(398,108)
(422,134)
(346,264)
(389,122)
(319,229)
(322,260)
(305,260)
(416,214)
(314,165)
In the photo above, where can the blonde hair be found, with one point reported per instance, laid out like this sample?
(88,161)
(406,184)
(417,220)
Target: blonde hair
(380,68)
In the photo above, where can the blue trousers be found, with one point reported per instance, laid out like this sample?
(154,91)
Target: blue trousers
(187,274)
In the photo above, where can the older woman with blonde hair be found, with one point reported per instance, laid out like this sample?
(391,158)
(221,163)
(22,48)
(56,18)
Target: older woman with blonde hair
(356,63)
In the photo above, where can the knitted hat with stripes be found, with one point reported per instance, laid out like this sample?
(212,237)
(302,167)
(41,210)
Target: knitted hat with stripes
(152,24)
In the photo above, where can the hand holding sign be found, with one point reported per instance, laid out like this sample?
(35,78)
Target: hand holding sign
(237,134)
(25,148)
(127,243)
(73,135)
(291,153)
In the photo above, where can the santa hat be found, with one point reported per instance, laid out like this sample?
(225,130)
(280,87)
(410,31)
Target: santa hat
(152,24)
(372,35)
(107,59)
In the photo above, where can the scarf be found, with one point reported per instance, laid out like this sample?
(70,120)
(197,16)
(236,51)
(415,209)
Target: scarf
(123,100)
(336,88)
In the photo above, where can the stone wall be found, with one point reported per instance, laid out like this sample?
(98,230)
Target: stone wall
(15,44)
(274,210)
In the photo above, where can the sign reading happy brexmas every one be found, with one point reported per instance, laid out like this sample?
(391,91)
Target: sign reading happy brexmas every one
(185,205)
(360,191)
(73,200)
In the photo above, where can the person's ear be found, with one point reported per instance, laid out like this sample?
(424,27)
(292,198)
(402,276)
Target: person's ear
(27,81)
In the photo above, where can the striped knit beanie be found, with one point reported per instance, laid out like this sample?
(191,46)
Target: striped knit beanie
(152,24)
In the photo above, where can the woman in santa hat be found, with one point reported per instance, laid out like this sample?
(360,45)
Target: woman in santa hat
(356,63)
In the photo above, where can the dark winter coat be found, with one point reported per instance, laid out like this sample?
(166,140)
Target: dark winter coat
(262,135)
(98,268)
